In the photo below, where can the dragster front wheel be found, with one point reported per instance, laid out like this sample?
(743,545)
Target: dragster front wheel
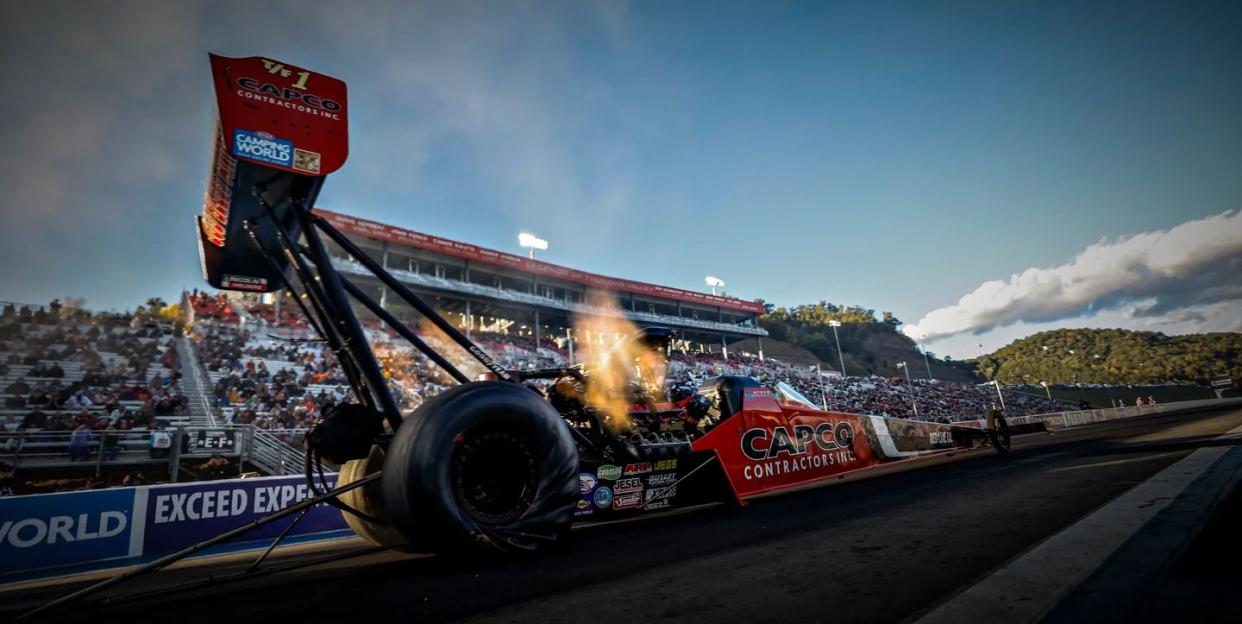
(485,466)
(369,500)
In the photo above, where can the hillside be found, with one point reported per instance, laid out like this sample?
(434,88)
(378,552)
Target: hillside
(1115,356)
(783,351)
(869,344)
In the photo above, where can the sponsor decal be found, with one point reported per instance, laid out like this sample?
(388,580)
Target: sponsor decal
(807,447)
(584,507)
(263,147)
(661,489)
(825,436)
(289,97)
(657,480)
(306,160)
(603,497)
(942,438)
(666,464)
(778,467)
(242,282)
(627,501)
(627,485)
(609,472)
(586,482)
(635,469)
(660,494)
(219,192)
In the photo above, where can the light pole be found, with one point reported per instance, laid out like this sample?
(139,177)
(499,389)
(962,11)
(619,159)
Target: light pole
(998,394)
(714,282)
(532,242)
(823,396)
(910,385)
(1046,390)
(925,360)
(835,324)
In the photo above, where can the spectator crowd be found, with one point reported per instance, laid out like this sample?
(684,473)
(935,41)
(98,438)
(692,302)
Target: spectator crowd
(83,382)
(85,376)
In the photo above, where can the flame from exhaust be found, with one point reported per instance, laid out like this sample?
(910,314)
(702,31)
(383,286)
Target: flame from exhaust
(614,362)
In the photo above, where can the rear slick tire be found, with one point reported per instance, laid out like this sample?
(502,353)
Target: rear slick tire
(482,467)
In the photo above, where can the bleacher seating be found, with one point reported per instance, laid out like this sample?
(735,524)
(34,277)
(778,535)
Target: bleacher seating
(62,369)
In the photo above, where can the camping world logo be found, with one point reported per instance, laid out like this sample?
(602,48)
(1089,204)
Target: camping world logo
(263,147)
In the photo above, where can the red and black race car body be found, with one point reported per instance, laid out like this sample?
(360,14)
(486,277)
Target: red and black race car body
(762,442)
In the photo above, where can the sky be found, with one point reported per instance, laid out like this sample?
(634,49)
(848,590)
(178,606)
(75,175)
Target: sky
(983,170)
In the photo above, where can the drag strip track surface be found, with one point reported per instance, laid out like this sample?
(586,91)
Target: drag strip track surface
(881,550)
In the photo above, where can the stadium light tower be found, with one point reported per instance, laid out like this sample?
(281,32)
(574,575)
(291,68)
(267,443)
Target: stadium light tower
(1046,390)
(532,242)
(910,385)
(835,324)
(823,396)
(925,360)
(714,282)
(998,394)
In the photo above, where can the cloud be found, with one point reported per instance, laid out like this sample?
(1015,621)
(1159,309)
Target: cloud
(453,107)
(1178,275)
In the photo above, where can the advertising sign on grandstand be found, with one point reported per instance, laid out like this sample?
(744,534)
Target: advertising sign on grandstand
(180,515)
(44,531)
(365,227)
(216,439)
(52,534)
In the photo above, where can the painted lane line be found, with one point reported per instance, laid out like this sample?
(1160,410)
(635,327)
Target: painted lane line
(1232,434)
(1117,462)
(1026,588)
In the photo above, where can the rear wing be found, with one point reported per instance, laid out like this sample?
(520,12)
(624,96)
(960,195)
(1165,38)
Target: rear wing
(279,132)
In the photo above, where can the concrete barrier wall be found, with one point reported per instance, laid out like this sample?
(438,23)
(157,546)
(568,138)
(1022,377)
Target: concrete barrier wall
(1062,420)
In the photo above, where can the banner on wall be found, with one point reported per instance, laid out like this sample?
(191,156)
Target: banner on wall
(48,531)
(51,534)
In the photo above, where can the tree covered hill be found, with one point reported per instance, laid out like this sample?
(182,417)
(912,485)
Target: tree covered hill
(873,344)
(869,344)
(1114,356)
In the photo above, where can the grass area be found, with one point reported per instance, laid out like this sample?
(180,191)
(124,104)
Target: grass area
(1104,397)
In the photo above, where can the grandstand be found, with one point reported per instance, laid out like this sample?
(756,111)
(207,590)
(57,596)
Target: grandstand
(82,389)
(489,291)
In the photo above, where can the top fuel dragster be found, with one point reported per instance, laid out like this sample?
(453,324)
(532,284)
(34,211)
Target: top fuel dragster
(494,463)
